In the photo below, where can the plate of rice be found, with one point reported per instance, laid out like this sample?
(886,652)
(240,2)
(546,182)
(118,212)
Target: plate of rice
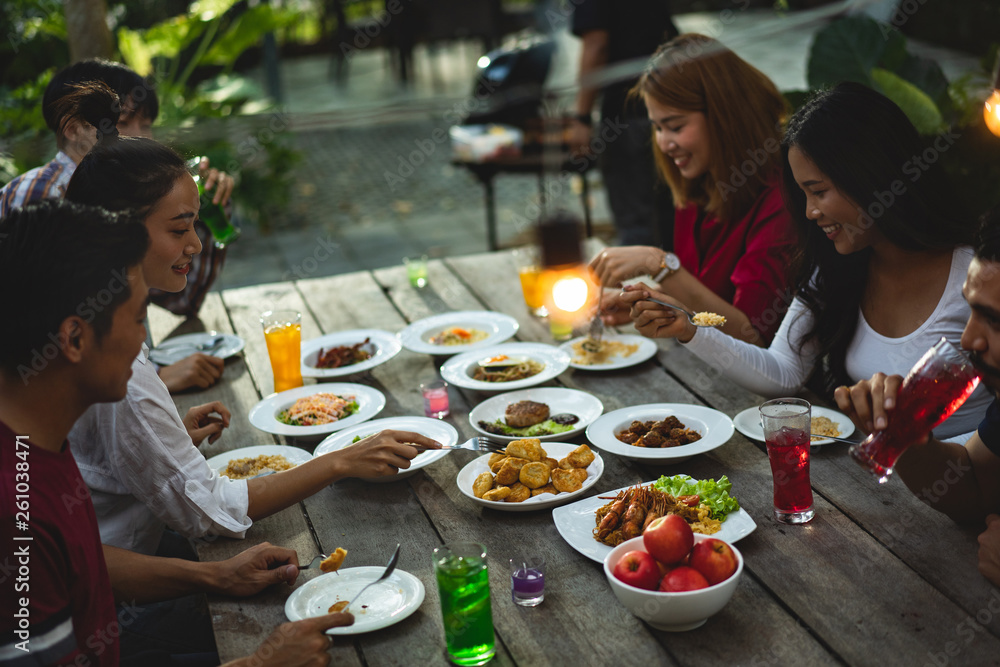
(248,462)
(615,351)
(824,422)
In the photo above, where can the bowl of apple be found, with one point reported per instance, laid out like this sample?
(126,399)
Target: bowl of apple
(672,578)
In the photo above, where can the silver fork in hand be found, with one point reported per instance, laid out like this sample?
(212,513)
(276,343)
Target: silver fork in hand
(477,444)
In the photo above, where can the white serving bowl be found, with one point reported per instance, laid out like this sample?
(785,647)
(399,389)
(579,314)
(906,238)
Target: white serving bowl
(674,612)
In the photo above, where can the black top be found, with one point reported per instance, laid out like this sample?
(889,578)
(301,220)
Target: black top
(635,28)
(989,428)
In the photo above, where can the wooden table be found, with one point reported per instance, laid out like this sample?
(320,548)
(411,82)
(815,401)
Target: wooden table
(876,578)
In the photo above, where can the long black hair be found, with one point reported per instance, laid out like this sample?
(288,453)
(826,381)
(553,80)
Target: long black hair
(126,173)
(867,147)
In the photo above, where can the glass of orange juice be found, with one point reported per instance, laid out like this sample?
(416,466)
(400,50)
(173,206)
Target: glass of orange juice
(528,269)
(283,335)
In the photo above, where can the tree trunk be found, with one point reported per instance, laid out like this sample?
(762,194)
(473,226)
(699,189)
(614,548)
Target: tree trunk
(87,29)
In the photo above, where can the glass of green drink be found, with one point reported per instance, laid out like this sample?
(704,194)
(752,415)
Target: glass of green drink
(213,215)
(464,586)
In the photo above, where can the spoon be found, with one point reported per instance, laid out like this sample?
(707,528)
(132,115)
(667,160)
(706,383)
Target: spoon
(832,437)
(385,575)
(593,342)
(690,316)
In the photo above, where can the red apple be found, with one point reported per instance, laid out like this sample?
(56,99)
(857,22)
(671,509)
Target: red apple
(714,559)
(637,568)
(683,578)
(668,539)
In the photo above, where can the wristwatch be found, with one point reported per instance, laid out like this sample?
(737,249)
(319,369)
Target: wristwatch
(669,265)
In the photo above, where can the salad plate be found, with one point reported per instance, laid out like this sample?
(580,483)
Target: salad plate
(265,415)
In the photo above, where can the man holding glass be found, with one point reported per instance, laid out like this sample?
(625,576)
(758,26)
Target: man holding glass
(960,481)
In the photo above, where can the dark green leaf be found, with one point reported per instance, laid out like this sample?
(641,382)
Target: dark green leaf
(846,50)
(915,103)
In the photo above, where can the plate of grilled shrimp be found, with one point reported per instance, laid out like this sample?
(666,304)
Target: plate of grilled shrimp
(580,523)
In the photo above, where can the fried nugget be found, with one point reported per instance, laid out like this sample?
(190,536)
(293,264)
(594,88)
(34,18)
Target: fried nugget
(565,464)
(581,474)
(581,457)
(534,475)
(528,448)
(338,606)
(497,494)
(518,493)
(551,463)
(483,483)
(497,464)
(496,456)
(548,488)
(510,470)
(566,481)
(333,562)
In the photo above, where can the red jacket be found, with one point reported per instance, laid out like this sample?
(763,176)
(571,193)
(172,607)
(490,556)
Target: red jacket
(746,261)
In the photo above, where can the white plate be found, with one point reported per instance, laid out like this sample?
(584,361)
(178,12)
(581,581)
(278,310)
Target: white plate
(576,523)
(715,428)
(386,603)
(264,415)
(585,406)
(174,349)
(457,369)
(293,454)
(416,337)
(435,429)
(556,450)
(748,423)
(386,346)
(647,350)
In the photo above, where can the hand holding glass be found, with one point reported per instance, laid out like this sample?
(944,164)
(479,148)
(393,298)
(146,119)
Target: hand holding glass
(933,389)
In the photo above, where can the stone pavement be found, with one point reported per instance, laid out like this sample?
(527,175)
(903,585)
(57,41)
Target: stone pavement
(347,215)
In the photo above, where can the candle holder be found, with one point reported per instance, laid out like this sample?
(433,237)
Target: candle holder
(527,581)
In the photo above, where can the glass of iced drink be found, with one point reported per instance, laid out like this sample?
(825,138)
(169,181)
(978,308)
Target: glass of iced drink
(787,424)
(464,586)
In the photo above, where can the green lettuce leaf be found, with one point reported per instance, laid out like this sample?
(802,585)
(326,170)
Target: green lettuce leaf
(713,493)
(547,427)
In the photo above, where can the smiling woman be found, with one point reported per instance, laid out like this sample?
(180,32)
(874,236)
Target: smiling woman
(716,134)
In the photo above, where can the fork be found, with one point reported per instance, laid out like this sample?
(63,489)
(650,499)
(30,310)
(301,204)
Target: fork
(385,575)
(596,331)
(477,444)
(690,316)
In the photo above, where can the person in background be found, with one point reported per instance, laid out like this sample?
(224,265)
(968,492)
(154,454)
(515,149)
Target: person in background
(717,133)
(971,473)
(136,108)
(65,258)
(613,33)
(880,280)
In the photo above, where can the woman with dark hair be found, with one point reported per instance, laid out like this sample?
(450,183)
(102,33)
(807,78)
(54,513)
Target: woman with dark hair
(81,103)
(886,250)
(716,135)
(138,457)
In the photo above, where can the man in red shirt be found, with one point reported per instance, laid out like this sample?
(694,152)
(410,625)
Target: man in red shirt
(74,303)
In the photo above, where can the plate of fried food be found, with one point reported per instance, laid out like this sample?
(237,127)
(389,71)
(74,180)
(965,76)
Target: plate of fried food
(347,352)
(546,413)
(661,432)
(824,422)
(454,333)
(528,477)
(593,526)
(435,429)
(615,351)
(248,462)
(504,367)
(386,603)
(317,409)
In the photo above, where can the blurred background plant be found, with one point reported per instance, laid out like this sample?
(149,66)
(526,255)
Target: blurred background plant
(875,54)
(191,56)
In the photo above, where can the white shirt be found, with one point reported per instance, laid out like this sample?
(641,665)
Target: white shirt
(781,370)
(144,472)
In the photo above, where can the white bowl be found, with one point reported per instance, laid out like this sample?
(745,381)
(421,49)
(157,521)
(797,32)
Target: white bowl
(674,612)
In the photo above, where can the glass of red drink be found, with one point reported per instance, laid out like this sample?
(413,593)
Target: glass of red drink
(932,390)
(787,423)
